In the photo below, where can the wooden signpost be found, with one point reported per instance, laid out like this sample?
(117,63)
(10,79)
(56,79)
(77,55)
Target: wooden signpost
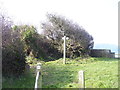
(64,52)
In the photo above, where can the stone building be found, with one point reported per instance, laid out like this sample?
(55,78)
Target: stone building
(102,53)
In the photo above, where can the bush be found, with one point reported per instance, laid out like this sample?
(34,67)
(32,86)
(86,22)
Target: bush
(31,60)
(13,62)
(13,56)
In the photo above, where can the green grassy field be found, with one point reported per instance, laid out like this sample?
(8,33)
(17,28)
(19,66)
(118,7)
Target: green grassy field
(99,73)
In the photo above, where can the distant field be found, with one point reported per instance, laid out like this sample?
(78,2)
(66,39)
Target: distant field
(99,73)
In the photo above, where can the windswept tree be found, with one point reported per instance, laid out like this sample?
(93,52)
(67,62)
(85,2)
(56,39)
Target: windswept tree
(80,41)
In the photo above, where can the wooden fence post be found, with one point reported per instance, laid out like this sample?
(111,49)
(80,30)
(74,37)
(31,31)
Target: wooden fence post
(38,82)
(81,79)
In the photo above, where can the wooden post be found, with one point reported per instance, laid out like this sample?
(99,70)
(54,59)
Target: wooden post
(64,52)
(81,79)
(38,82)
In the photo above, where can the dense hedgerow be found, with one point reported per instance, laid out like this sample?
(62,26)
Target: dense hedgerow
(13,56)
(13,60)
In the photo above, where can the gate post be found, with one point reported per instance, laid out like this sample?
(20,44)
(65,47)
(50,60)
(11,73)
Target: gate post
(38,82)
(81,79)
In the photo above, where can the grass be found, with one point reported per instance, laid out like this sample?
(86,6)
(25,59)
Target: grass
(26,80)
(99,73)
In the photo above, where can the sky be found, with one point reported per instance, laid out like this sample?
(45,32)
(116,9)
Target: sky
(98,17)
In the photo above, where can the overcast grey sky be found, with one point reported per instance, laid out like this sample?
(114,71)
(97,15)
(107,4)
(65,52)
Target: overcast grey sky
(98,17)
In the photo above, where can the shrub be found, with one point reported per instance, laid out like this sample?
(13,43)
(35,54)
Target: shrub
(31,60)
(13,62)
(13,56)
